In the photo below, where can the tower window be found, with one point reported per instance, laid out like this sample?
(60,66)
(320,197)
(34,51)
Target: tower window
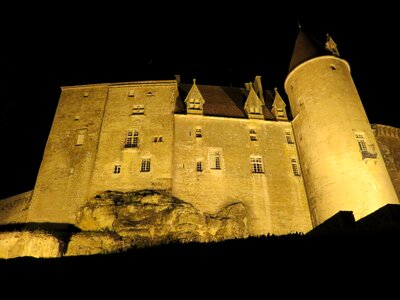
(215,160)
(361,142)
(145,166)
(138,109)
(132,139)
(289,137)
(198,133)
(199,166)
(253,135)
(117,169)
(256,164)
(295,167)
(363,147)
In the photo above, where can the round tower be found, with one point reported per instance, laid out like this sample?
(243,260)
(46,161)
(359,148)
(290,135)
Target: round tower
(342,165)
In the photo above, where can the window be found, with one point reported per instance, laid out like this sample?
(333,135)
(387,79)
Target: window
(215,160)
(86,94)
(295,167)
(131,94)
(138,109)
(256,164)
(117,169)
(145,166)
(255,110)
(199,166)
(361,142)
(198,133)
(80,139)
(363,147)
(132,139)
(280,112)
(158,139)
(194,104)
(289,138)
(253,135)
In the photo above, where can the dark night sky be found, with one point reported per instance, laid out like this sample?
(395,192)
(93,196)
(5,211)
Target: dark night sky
(215,45)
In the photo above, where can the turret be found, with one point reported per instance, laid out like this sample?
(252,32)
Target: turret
(342,165)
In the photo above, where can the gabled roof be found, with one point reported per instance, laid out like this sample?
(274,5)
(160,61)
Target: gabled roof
(219,101)
(194,93)
(278,101)
(305,48)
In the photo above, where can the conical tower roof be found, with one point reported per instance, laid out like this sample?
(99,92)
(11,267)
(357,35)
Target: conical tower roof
(305,48)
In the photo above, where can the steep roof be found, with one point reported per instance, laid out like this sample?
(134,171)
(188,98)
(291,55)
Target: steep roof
(305,48)
(219,101)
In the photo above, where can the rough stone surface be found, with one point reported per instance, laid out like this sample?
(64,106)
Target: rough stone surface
(36,244)
(122,220)
(87,243)
(14,209)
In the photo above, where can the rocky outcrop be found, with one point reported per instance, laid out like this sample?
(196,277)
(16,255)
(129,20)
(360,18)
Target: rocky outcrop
(145,218)
(25,243)
(88,243)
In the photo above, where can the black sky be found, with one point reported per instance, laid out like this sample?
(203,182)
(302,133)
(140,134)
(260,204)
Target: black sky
(217,45)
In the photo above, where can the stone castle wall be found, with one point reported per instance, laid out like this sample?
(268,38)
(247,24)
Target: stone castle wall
(388,139)
(276,198)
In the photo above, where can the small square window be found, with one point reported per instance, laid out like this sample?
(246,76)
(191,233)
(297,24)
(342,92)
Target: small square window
(198,133)
(289,138)
(253,135)
(117,169)
(138,109)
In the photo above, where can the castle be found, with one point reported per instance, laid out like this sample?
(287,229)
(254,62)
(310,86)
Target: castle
(212,146)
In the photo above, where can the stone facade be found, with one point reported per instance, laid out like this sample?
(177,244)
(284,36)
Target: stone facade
(214,146)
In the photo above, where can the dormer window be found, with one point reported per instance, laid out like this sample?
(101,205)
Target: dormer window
(194,104)
(194,100)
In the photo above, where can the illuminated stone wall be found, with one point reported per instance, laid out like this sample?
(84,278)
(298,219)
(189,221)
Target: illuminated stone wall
(388,139)
(62,184)
(276,199)
(158,100)
(327,115)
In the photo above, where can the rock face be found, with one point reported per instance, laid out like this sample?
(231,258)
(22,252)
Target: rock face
(36,244)
(145,218)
